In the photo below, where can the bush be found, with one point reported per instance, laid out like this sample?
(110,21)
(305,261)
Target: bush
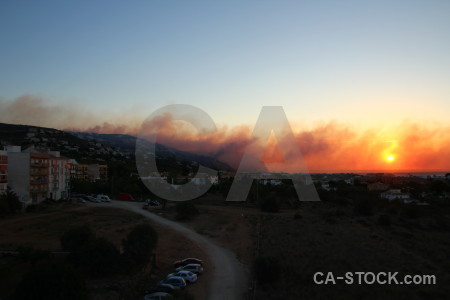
(185,210)
(76,237)
(32,255)
(9,202)
(99,257)
(140,243)
(266,269)
(53,281)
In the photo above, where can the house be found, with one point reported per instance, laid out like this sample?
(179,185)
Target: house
(394,194)
(377,186)
(86,172)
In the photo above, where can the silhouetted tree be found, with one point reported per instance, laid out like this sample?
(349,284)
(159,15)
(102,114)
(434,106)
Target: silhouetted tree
(140,243)
(76,237)
(99,257)
(9,202)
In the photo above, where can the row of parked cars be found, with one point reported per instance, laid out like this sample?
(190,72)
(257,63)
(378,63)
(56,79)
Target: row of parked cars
(186,272)
(150,203)
(83,198)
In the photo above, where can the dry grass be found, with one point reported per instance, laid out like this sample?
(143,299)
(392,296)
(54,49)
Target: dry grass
(330,238)
(42,230)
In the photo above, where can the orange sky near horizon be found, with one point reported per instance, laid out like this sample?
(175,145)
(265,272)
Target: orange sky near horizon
(326,146)
(329,146)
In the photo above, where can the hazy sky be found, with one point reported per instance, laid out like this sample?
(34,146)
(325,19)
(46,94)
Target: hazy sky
(360,62)
(337,67)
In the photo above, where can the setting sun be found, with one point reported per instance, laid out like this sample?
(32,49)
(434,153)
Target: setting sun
(390,158)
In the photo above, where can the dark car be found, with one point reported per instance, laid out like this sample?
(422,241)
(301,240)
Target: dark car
(175,281)
(187,261)
(166,288)
(158,296)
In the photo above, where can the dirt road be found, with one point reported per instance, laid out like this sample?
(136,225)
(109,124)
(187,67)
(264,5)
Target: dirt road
(228,279)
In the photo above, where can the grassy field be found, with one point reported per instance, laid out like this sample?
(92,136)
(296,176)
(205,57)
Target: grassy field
(42,230)
(326,237)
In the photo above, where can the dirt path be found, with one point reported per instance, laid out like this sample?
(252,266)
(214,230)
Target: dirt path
(228,275)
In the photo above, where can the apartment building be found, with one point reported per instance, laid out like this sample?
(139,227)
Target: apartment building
(59,176)
(36,175)
(93,172)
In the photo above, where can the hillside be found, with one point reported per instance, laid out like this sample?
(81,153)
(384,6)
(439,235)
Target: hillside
(92,147)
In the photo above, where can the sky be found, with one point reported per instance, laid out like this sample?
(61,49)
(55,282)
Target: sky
(344,71)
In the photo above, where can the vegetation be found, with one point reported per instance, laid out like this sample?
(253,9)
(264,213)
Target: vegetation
(9,202)
(99,257)
(76,237)
(52,281)
(139,244)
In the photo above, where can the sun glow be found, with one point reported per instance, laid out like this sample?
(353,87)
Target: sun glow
(390,158)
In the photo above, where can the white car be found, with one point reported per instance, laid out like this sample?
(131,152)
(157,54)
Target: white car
(188,276)
(194,268)
(103,198)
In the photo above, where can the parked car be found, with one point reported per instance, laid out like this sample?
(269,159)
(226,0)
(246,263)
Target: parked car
(125,197)
(166,288)
(187,261)
(175,281)
(89,198)
(103,198)
(194,268)
(158,296)
(188,276)
(153,202)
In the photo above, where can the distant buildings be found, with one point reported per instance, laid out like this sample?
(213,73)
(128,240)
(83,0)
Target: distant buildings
(394,194)
(377,186)
(36,175)
(86,172)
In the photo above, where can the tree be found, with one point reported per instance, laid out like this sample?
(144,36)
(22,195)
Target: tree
(9,202)
(140,243)
(99,257)
(52,281)
(76,237)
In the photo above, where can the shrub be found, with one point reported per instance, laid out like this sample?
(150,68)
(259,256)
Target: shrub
(9,202)
(52,281)
(76,237)
(32,255)
(266,269)
(140,243)
(99,257)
